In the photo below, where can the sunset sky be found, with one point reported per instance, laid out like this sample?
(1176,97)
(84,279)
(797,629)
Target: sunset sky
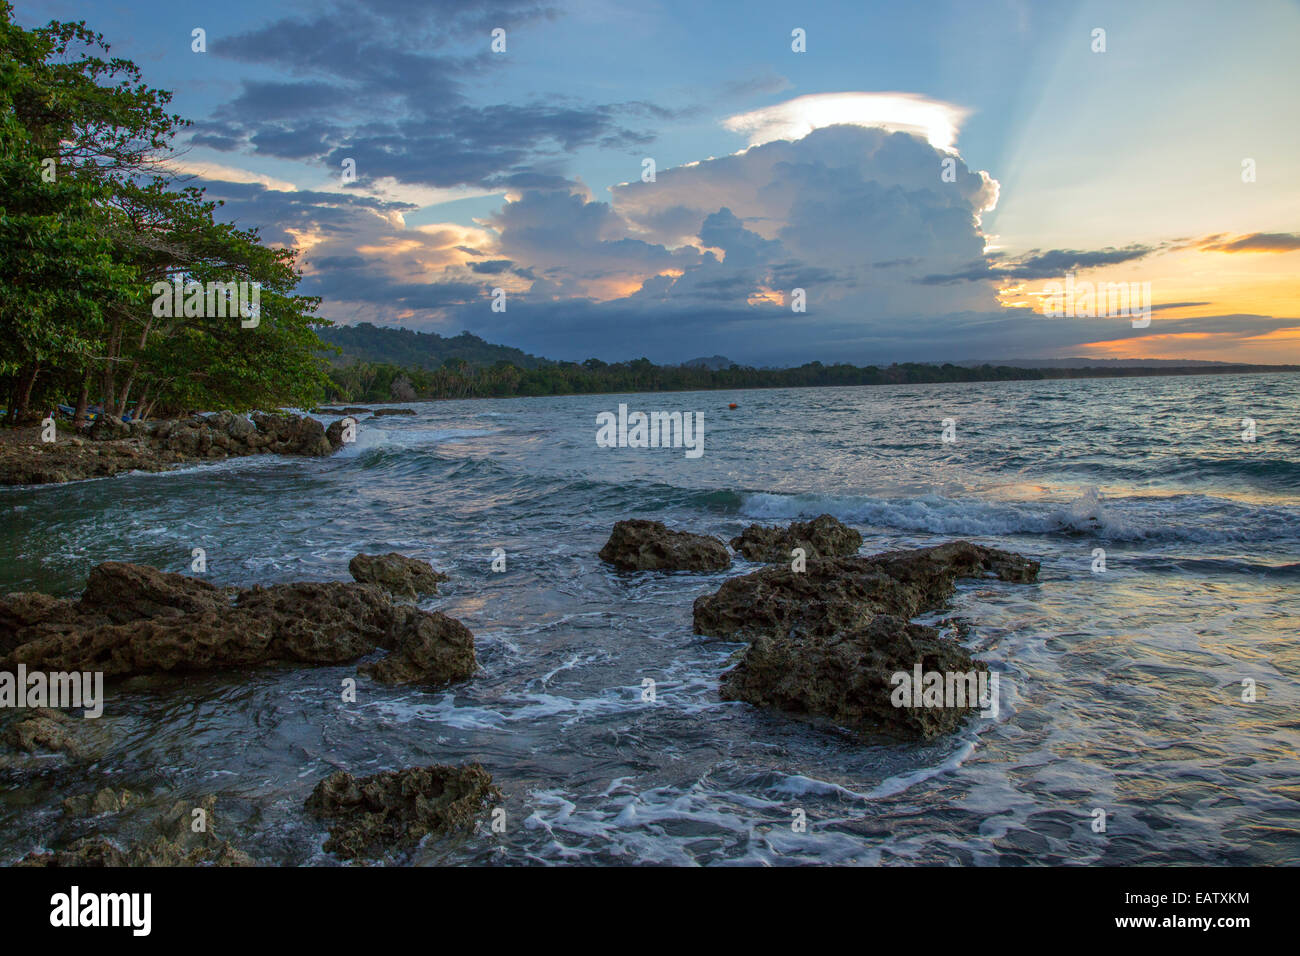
(774,169)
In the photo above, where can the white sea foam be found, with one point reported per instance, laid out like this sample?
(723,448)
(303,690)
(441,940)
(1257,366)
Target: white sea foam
(1198,518)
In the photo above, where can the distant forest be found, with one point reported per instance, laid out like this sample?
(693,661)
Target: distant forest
(410,349)
(399,365)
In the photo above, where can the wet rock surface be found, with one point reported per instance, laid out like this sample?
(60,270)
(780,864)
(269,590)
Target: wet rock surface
(640,545)
(133,619)
(111,447)
(381,412)
(396,573)
(429,648)
(824,536)
(391,812)
(44,730)
(827,642)
(105,800)
(847,677)
(170,839)
(836,594)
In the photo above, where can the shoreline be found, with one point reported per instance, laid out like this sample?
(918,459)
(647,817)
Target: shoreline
(114,448)
(1050,375)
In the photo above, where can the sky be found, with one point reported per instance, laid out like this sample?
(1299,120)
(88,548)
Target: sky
(772,182)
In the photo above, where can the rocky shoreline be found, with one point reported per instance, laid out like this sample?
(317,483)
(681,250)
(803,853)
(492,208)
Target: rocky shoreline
(111,447)
(826,632)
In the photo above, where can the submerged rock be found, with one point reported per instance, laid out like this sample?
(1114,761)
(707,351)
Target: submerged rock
(170,841)
(640,545)
(394,810)
(46,730)
(397,574)
(381,412)
(825,536)
(134,619)
(828,641)
(105,800)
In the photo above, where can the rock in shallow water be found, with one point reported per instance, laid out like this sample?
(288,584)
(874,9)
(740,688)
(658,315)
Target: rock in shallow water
(46,730)
(825,536)
(394,810)
(396,573)
(828,641)
(640,545)
(430,648)
(835,594)
(134,619)
(168,840)
(848,677)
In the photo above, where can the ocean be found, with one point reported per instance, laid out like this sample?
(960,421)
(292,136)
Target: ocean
(1121,689)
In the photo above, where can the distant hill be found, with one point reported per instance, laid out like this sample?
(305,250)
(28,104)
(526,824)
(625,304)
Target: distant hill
(713,362)
(365,342)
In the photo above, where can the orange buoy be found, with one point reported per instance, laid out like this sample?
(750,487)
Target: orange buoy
(733,405)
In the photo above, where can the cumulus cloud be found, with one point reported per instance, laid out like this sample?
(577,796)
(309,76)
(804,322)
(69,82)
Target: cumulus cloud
(935,121)
(852,214)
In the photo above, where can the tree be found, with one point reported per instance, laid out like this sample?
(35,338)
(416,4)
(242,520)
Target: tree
(86,231)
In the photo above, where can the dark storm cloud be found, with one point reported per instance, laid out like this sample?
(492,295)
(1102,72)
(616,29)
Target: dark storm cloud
(491,267)
(375,288)
(248,204)
(1040,265)
(380,85)
(284,100)
(1254,242)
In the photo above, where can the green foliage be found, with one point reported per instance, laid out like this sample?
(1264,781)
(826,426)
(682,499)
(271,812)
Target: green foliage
(371,382)
(408,348)
(86,231)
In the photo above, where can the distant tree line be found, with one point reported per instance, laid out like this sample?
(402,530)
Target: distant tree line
(457,378)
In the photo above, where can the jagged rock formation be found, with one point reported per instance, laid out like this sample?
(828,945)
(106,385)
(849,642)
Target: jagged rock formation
(640,545)
(133,619)
(394,810)
(825,536)
(827,642)
(396,573)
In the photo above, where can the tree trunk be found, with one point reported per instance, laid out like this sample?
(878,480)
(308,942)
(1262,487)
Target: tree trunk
(142,407)
(110,369)
(83,401)
(126,389)
(23,399)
